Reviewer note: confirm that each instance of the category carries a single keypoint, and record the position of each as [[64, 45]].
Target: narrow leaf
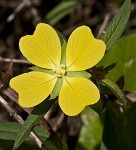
[[78, 74], [36, 68], [27, 145], [34, 118], [26, 129], [63, 52], [56, 89], [115, 89], [117, 25], [61, 37], [61, 10], [9, 130]]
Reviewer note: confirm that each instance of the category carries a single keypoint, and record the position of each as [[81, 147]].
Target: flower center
[[60, 70]]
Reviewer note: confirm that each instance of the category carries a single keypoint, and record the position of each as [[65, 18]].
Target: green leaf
[[27, 145], [111, 142], [42, 133], [36, 68], [91, 131], [63, 52], [117, 25], [52, 143], [61, 10], [56, 89], [99, 106], [62, 38], [115, 89], [124, 54], [8, 130], [34, 118], [103, 147], [119, 127], [78, 74], [8, 133], [26, 129]]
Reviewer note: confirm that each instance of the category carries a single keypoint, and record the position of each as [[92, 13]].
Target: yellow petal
[[83, 50], [33, 87], [76, 93], [43, 48]]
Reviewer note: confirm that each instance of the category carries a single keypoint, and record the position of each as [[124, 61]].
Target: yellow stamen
[[60, 70]]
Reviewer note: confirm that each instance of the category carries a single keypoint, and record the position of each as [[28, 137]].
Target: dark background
[[19, 17]]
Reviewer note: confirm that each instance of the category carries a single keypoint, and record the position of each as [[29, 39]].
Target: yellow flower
[[43, 49]]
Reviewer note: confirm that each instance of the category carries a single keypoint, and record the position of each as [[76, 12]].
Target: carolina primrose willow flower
[[43, 49]]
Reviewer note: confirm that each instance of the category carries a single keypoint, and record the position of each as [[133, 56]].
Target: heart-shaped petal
[[43, 48], [76, 93], [83, 50], [33, 87]]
